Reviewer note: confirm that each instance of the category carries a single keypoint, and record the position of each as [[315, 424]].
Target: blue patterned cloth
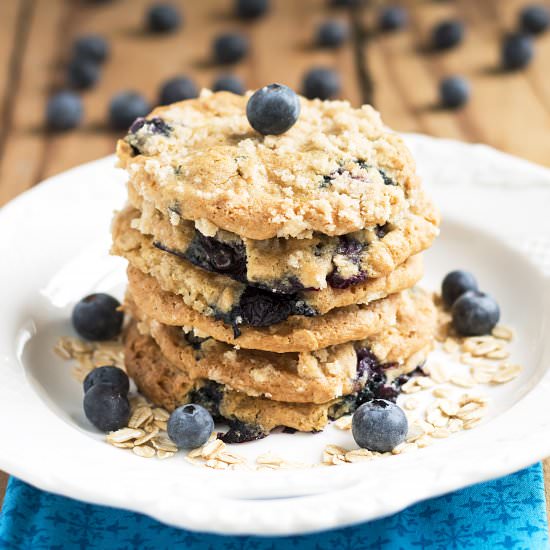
[[508, 513]]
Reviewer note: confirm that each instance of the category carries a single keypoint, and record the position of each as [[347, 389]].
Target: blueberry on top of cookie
[[273, 109]]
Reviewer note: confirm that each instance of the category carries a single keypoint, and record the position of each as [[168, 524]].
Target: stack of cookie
[[271, 278]]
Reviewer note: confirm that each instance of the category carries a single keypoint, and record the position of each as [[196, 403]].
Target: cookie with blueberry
[[238, 304], [290, 265], [296, 334], [273, 246], [271, 164], [329, 383]]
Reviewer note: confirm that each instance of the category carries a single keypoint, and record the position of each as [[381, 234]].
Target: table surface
[[396, 72]]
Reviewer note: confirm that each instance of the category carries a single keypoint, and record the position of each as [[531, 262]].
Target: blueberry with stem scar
[[379, 425], [273, 109], [190, 426]]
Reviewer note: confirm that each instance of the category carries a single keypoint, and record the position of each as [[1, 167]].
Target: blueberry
[[177, 89], [251, 9], [155, 125], [372, 379], [228, 83], [273, 109], [92, 47], [322, 83], [368, 366], [517, 51], [351, 249], [335, 280], [387, 179], [230, 48], [475, 313], [332, 34], [260, 308], [97, 317], [455, 284], [534, 19], [82, 73], [112, 376], [163, 18], [379, 425], [216, 256], [106, 408], [241, 432], [190, 426], [209, 396], [125, 107], [64, 111], [447, 34], [454, 91], [392, 18]]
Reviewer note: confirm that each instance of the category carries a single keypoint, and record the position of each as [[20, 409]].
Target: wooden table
[[395, 71]]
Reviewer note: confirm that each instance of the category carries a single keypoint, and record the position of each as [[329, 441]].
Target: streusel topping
[[337, 170]]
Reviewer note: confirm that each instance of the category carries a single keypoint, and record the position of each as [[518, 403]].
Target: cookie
[[296, 334], [235, 303], [316, 376], [336, 171], [291, 265], [248, 417]]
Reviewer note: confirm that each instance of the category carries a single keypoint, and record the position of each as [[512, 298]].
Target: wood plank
[[510, 111], [511, 115], [405, 78], [3, 484], [12, 22], [25, 145], [284, 49], [281, 51]]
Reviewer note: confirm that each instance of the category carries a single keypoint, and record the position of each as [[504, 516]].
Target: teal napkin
[[508, 513]]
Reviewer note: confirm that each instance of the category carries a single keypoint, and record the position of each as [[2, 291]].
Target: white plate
[[54, 243]]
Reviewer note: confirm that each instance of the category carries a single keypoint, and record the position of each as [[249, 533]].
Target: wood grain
[[508, 111], [3, 484], [281, 50]]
